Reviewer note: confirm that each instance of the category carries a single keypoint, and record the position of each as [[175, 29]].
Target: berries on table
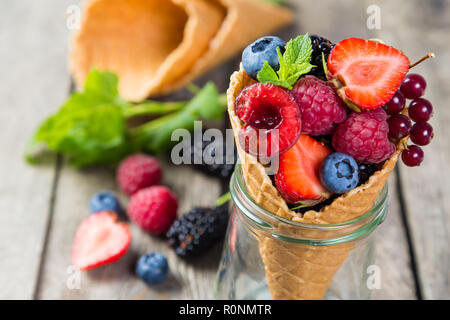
[[396, 104], [319, 45], [138, 171], [420, 109], [263, 49], [421, 133], [104, 201], [412, 156], [153, 268], [198, 230], [413, 86], [271, 120], [221, 166], [321, 109], [153, 209], [99, 240], [399, 126], [298, 176], [339, 173], [366, 73], [364, 136]]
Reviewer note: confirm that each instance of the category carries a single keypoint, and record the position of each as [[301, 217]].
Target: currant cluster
[[420, 111]]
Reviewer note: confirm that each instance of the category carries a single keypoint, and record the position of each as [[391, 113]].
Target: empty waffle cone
[[296, 271], [156, 46]]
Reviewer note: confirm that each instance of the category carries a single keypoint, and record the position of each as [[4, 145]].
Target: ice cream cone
[[298, 271], [156, 46]]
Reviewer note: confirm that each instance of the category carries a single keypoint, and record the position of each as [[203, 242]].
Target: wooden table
[[42, 206]]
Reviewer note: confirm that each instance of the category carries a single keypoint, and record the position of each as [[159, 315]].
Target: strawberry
[[298, 176], [100, 239], [366, 73]]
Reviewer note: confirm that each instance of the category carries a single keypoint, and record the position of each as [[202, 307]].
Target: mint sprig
[[293, 63], [91, 127]]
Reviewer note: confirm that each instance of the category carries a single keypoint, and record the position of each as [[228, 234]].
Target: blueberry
[[104, 201], [152, 268], [339, 173], [263, 49]]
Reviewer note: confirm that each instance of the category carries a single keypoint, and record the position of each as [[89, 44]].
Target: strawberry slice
[[366, 73], [298, 178], [100, 239]]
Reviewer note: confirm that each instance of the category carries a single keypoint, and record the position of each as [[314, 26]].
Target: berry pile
[[420, 111], [198, 230], [330, 132]]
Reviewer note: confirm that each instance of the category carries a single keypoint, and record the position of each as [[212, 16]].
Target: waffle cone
[[156, 46], [297, 271]]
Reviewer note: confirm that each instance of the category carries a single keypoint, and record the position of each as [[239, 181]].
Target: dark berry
[[152, 268], [366, 170], [104, 201], [319, 45], [399, 126], [420, 109], [198, 230], [396, 104], [413, 156], [204, 157], [413, 86], [421, 133]]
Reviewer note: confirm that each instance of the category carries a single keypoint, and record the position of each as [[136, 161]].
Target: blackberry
[[198, 230], [220, 166], [319, 45], [366, 170]]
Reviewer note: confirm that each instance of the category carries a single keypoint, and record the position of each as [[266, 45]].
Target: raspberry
[[153, 209], [138, 171], [320, 106], [364, 136]]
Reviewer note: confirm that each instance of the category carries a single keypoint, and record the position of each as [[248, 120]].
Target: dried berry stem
[[429, 55]]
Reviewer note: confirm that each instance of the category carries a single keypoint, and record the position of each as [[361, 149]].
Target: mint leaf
[[293, 63]]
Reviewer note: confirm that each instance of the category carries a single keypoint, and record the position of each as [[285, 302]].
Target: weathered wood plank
[[418, 27], [34, 82]]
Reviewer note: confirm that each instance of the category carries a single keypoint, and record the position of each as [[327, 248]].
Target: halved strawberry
[[298, 178], [100, 239], [366, 73]]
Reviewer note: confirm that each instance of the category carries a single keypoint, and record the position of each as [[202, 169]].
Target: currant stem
[[429, 55]]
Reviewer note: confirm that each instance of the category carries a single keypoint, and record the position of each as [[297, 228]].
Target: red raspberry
[[153, 209], [320, 106], [364, 136], [138, 171]]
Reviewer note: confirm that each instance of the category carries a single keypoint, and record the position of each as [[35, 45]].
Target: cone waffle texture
[[297, 271], [156, 46]]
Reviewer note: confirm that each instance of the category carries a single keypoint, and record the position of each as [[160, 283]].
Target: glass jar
[[242, 271]]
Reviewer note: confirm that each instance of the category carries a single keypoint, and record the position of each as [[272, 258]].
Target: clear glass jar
[[242, 271]]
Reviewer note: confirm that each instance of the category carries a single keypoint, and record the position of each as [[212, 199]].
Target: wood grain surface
[[41, 206]]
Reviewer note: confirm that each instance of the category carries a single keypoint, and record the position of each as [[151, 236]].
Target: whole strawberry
[[153, 209], [138, 171], [364, 136], [321, 108]]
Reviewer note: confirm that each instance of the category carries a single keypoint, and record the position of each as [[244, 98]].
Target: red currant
[[396, 104], [399, 126], [413, 156], [420, 109], [413, 86], [421, 133]]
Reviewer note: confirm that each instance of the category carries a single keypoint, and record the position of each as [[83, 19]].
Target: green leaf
[[293, 63]]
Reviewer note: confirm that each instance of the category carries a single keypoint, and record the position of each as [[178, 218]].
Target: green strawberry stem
[[223, 199]]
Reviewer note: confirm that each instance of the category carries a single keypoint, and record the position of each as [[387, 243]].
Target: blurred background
[[42, 206]]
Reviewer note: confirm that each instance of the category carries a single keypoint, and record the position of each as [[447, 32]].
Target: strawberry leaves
[[294, 62]]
